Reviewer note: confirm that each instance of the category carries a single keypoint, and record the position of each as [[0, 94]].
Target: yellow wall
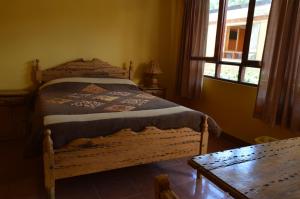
[[60, 30], [232, 105]]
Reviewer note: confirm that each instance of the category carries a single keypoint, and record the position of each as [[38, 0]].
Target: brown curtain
[[193, 43], [278, 98]]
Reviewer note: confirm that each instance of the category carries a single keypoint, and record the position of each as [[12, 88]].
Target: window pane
[[235, 28], [209, 69], [259, 29], [212, 28], [251, 75], [229, 72]]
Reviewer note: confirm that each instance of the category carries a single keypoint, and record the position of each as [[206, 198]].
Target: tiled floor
[[22, 179]]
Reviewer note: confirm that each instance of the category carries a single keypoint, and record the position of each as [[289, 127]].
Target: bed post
[[130, 70], [162, 188], [48, 155], [204, 135], [204, 138], [37, 72]]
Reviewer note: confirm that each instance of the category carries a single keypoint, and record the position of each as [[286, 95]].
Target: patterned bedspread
[[88, 107]]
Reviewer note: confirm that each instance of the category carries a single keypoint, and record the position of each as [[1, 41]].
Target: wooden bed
[[121, 149]]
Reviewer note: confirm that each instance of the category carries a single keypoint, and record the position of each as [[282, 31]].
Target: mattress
[[89, 107]]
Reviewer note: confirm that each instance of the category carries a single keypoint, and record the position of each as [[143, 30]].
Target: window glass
[[212, 28], [231, 42], [251, 75], [229, 72], [259, 29], [235, 28], [209, 69]]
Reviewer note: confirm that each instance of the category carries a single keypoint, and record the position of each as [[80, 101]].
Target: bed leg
[[162, 188], [48, 155], [204, 135], [204, 139]]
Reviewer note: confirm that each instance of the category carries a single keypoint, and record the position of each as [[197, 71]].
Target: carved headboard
[[80, 68]]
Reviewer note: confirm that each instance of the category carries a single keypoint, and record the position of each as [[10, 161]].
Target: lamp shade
[[154, 69]]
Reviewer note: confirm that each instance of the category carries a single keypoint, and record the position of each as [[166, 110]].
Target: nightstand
[[157, 91], [14, 113]]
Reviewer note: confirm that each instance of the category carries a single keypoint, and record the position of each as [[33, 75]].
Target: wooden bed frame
[[121, 149]]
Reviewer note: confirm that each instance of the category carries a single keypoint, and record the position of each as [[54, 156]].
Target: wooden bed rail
[[162, 188]]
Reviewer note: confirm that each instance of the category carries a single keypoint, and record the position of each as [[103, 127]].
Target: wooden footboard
[[122, 149]]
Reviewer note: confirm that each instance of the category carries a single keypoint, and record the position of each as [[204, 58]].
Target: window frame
[[220, 36]]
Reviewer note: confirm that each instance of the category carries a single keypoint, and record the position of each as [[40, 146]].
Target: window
[[235, 41]]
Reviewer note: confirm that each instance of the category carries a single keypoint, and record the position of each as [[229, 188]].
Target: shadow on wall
[[137, 71], [30, 73], [140, 72], [170, 32]]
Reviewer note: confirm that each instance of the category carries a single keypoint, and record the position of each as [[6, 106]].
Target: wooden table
[[264, 171]]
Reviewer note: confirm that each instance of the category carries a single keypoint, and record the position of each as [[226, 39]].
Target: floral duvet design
[[100, 98]]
